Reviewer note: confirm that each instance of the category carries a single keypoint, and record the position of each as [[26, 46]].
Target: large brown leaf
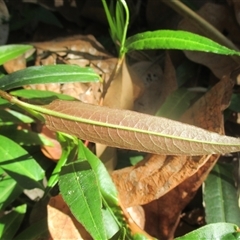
[[158, 174], [132, 130]]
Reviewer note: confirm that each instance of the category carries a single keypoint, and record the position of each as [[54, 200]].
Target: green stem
[[109, 18], [122, 46]]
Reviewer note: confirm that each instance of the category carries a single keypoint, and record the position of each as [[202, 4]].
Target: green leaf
[[170, 39], [9, 52], [108, 192], [40, 94], [220, 231], [176, 104], [220, 196], [8, 117], [25, 137], [38, 230], [10, 190], [107, 187], [69, 146], [18, 164], [80, 190], [48, 74], [10, 223]]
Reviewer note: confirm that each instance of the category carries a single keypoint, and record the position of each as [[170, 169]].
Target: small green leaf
[[220, 196], [8, 117], [10, 223], [220, 231], [170, 39], [176, 104], [69, 146], [80, 190], [9, 52], [48, 74], [40, 94], [10, 190], [17, 163], [25, 137], [38, 230]]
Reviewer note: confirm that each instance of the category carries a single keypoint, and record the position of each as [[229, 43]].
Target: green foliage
[[221, 231], [10, 223], [10, 52], [84, 181], [220, 196], [48, 74], [180, 40]]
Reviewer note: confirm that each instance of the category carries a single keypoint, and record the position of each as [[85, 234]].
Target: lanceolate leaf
[[220, 196], [221, 231], [132, 130], [9, 52], [79, 188], [181, 40], [48, 74]]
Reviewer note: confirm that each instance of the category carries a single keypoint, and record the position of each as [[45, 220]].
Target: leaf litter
[[164, 180]]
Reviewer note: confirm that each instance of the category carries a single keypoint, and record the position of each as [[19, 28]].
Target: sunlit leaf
[[17, 162], [132, 130], [48, 74], [10, 223], [34, 94], [180, 40], [221, 231], [9, 52], [10, 189], [79, 188]]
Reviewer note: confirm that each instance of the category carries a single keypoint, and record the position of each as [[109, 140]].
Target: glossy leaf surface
[[79, 188], [48, 74], [17, 162], [10, 223], [9, 52], [10, 190], [221, 231], [180, 40]]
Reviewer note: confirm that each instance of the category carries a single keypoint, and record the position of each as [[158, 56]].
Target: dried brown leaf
[[132, 130], [120, 92], [158, 174], [61, 222]]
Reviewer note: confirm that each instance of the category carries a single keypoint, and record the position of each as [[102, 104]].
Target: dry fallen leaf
[[132, 130], [80, 50], [120, 92], [157, 174], [200, 113], [61, 222], [53, 152]]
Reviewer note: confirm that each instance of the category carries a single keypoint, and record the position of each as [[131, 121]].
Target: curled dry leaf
[[120, 92], [158, 174], [132, 130], [78, 50]]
